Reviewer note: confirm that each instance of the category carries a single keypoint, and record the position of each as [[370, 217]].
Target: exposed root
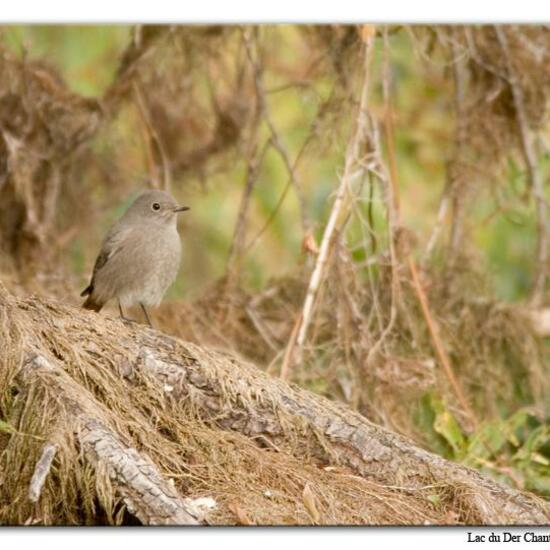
[[143, 408]]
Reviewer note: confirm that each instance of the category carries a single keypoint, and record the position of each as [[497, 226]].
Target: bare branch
[[390, 182], [438, 345], [394, 230], [535, 177], [155, 144], [278, 144], [237, 250], [456, 182], [338, 211]]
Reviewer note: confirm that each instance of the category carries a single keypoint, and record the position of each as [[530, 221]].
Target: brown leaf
[[310, 503], [368, 32], [309, 245], [242, 517]]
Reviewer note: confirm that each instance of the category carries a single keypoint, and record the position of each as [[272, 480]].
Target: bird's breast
[[156, 262]]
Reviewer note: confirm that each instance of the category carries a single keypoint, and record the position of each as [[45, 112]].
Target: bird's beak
[[181, 208]]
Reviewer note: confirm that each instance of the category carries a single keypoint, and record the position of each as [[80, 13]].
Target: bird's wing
[[111, 245]]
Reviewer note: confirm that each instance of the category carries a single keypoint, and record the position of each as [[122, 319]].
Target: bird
[[139, 257]]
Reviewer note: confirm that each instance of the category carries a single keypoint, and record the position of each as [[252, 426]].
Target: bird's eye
[[156, 206]]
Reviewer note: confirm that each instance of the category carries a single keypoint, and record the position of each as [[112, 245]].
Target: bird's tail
[[90, 303]]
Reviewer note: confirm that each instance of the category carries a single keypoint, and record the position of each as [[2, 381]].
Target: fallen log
[[145, 424]]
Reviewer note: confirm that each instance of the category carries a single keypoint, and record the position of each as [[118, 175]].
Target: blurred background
[[251, 127]]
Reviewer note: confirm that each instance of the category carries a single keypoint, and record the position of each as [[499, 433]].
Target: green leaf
[[538, 483], [425, 418], [487, 440], [446, 425], [539, 459], [5, 427], [537, 439]]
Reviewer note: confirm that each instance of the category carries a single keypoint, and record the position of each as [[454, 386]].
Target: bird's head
[[156, 207]]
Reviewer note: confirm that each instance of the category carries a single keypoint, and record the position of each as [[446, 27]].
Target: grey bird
[[139, 257]]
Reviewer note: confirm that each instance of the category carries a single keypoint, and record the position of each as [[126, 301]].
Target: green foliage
[[514, 449], [86, 54], [5, 427]]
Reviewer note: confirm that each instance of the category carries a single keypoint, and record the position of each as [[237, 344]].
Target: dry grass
[[251, 482], [479, 333]]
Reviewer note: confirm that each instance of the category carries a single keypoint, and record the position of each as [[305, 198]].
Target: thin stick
[[434, 333], [283, 195], [455, 169], [250, 41], [254, 158], [391, 196], [438, 226], [535, 177], [393, 222], [389, 128], [237, 249], [154, 139], [299, 332], [451, 193], [287, 358]]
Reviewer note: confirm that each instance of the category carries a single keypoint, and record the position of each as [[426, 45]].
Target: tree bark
[[146, 493], [370, 450]]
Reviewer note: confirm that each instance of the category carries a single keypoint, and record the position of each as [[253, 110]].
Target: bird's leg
[[122, 314], [146, 314]]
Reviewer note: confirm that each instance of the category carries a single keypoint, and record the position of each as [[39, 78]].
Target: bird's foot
[[129, 321]]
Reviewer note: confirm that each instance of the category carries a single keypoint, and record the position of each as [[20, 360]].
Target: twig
[[275, 211], [469, 33], [155, 140], [455, 168], [438, 226], [255, 159], [288, 356], [438, 345], [450, 195], [276, 140], [535, 177], [393, 222], [41, 471], [299, 332], [389, 130], [391, 192], [262, 330]]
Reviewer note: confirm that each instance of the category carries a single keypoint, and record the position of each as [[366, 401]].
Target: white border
[[274, 11], [267, 11], [350, 538]]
